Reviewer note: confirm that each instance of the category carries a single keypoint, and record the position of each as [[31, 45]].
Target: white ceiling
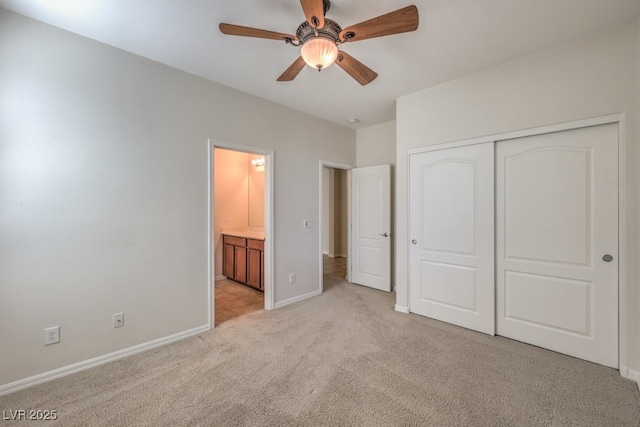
[[455, 38]]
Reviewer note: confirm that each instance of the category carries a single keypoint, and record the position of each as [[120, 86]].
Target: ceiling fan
[[319, 38]]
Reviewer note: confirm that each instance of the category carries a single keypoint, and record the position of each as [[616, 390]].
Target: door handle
[[414, 241], [384, 234], [607, 258]]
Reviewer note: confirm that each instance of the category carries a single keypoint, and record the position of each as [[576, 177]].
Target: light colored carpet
[[342, 358]]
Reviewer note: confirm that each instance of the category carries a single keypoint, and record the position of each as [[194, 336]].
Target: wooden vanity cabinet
[[255, 251], [240, 261], [243, 261]]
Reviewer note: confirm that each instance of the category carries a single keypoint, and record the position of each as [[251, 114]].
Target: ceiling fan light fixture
[[319, 52]]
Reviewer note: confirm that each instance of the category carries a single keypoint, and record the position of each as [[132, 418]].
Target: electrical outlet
[[52, 335], [118, 320], [292, 278]]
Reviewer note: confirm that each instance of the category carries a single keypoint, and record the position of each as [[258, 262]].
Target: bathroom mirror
[[256, 191]]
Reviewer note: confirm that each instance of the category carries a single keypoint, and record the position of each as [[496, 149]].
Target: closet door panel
[[451, 235], [557, 216]]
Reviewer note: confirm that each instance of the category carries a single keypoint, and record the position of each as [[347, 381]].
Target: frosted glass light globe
[[319, 52]]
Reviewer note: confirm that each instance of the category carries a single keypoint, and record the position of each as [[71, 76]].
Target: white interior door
[[371, 226], [557, 216], [451, 236]]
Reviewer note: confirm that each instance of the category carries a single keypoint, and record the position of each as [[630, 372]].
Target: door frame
[[269, 268], [618, 118], [321, 165]]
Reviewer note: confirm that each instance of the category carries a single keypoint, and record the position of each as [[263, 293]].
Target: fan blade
[[399, 21], [356, 69], [313, 9], [238, 30], [293, 70]]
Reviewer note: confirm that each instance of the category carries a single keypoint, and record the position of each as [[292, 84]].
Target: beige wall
[[327, 209], [256, 193], [335, 222], [340, 218], [104, 195], [589, 78], [376, 145]]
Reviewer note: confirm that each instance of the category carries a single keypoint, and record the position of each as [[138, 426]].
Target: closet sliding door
[[557, 241], [451, 236]]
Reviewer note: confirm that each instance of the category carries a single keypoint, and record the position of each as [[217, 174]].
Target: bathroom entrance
[[240, 239]]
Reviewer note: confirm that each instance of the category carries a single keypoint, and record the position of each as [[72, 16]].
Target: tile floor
[[234, 299]]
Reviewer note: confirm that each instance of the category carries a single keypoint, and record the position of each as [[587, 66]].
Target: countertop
[[247, 234]]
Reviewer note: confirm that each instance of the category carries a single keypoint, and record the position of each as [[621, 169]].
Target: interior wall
[[327, 209], [340, 218], [104, 194], [593, 77], [256, 193], [376, 145], [231, 196]]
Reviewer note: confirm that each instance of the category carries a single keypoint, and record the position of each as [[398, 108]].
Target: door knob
[[384, 234], [607, 258], [414, 241]]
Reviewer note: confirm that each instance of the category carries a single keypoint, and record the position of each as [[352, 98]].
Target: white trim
[[269, 221], [211, 307], [350, 221], [221, 278], [593, 121], [322, 164], [100, 360], [298, 298], [630, 375], [269, 293], [402, 309], [622, 244]]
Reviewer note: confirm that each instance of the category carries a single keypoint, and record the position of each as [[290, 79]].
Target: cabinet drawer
[[255, 244], [235, 241]]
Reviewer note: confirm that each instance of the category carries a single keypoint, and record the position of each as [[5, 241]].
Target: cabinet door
[[241, 265], [254, 268], [227, 261]]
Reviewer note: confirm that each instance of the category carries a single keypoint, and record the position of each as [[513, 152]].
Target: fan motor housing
[[331, 30]]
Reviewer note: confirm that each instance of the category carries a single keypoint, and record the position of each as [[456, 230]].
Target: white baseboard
[[402, 309], [629, 374], [297, 299], [97, 361], [220, 278]]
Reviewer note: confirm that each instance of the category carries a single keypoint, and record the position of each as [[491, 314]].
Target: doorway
[[335, 224], [240, 234]]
